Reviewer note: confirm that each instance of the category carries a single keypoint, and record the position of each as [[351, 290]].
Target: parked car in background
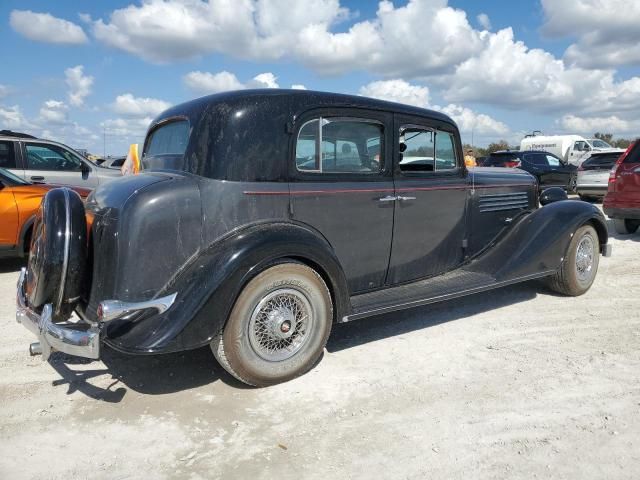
[[112, 162], [573, 149], [549, 170], [622, 202], [19, 201], [263, 217], [593, 175], [46, 161]]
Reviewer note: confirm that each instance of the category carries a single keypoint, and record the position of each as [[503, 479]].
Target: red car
[[622, 202]]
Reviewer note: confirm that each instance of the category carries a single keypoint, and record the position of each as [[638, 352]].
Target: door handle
[[37, 178], [406, 199], [388, 198]]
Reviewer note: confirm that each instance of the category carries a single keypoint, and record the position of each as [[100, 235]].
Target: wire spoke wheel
[[280, 324], [584, 258]]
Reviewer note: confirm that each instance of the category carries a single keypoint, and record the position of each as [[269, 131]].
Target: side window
[[553, 161], [169, 139], [51, 157], [426, 150], [445, 151], [581, 146], [7, 155], [537, 159], [339, 145], [417, 150]]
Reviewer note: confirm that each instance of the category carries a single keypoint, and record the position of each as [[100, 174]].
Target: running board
[[457, 283]]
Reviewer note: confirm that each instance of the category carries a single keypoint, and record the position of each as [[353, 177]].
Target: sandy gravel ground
[[516, 383]]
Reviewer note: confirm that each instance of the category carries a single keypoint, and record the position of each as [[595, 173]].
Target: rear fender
[[539, 241], [209, 285]]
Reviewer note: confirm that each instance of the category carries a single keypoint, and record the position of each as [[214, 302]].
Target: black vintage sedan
[[264, 217]]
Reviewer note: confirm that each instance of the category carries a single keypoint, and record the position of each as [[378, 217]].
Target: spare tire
[[57, 266]]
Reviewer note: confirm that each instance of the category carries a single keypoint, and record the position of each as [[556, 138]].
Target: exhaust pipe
[[35, 349]]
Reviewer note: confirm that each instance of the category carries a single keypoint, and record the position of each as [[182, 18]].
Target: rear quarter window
[[165, 146], [634, 154]]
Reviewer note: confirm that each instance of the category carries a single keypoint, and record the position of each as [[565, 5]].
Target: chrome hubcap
[[584, 258], [280, 324]]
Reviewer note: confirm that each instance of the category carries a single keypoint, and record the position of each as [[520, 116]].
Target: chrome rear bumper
[[79, 339]]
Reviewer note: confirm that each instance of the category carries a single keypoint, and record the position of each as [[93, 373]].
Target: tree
[[621, 143], [494, 147], [605, 137]]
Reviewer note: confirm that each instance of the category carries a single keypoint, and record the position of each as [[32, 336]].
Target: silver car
[[593, 175], [45, 161]]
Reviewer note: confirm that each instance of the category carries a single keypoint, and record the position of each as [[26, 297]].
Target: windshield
[[6, 174], [597, 143]]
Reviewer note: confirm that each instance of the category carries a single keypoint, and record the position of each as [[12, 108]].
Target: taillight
[[512, 164]]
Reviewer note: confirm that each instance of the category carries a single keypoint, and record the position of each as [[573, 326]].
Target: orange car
[[19, 201]]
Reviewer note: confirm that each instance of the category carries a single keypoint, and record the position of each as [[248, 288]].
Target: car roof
[[519, 152], [280, 99]]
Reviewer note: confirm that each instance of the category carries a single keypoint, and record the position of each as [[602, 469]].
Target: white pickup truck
[[573, 148]]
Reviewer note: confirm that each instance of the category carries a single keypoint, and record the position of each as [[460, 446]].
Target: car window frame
[[16, 154], [25, 162], [298, 121], [410, 121]]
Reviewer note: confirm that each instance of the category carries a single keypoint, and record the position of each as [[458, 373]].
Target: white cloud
[[390, 44], [127, 127], [203, 83], [403, 92], [607, 30], [298, 86], [478, 123], [53, 112], [484, 21], [4, 91], [44, 27], [11, 118], [397, 91], [263, 80], [589, 125], [79, 85], [130, 106]]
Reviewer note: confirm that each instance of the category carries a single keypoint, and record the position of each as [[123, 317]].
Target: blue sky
[[500, 69]]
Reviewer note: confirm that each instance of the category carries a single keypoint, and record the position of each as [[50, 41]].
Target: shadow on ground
[[170, 373], [634, 237], [367, 330], [148, 374], [8, 265]]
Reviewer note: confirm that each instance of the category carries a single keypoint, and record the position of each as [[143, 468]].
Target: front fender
[[208, 286], [539, 241]]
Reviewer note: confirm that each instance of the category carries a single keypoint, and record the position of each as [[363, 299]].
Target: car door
[[431, 186], [9, 157], [579, 152], [341, 186], [536, 164], [53, 164], [8, 215], [560, 172]]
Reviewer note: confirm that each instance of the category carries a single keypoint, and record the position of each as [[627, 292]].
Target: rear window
[[498, 160], [601, 160], [169, 139]]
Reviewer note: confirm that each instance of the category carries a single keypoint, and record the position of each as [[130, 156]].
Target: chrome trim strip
[[112, 309], [65, 258]]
